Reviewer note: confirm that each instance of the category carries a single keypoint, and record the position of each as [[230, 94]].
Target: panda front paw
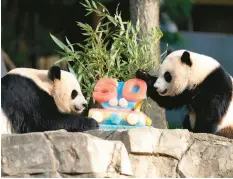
[[90, 124], [141, 74]]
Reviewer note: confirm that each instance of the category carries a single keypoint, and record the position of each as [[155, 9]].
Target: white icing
[[142, 119], [123, 102], [132, 119], [113, 102], [98, 116]]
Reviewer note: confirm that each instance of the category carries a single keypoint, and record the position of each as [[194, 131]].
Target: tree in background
[[148, 13], [164, 14]]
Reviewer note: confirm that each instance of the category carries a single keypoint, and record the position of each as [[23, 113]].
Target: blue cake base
[[114, 127]]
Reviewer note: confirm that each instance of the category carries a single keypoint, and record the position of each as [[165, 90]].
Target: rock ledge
[[146, 152]]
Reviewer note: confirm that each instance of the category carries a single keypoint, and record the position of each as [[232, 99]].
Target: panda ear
[[170, 50], [54, 73], [185, 58]]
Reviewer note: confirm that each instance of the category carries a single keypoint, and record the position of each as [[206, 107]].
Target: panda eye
[[74, 94], [167, 77]]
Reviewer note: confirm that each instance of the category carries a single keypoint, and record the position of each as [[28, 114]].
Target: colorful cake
[[120, 104]]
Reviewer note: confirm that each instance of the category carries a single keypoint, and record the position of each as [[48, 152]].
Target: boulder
[[63, 154], [174, 152], [144, 152]]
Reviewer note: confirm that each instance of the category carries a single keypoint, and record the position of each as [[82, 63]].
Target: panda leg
[[87, 123], [15, 121], [187, 123], [69, 122], [207, 119], [205, 124]]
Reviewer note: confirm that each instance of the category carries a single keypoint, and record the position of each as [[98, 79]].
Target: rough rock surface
[[146, 152], [156, 113], [63, 154]]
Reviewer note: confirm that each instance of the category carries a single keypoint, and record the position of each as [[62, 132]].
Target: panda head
[[66, 91], [182, 70]]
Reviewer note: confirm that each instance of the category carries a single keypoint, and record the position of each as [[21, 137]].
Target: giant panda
[[200, 84], [41, 100]]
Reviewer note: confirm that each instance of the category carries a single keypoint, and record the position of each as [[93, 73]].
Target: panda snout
[[155, 86]]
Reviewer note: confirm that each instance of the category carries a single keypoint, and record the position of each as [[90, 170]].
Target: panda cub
[[199, 83], [41, 100]]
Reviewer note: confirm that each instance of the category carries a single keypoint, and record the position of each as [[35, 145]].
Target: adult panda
[[199, 83], [41, 100]]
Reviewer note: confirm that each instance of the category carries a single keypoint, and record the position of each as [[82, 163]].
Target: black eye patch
[[74, 94], [167, 77]]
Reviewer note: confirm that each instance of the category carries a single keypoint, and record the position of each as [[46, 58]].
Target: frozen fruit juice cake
[[120, 104]]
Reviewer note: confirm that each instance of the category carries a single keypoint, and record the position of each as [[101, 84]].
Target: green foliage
[[113, 49], [178, 9]]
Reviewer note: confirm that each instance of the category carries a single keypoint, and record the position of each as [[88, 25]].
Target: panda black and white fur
[[199, 83], [41, 100]]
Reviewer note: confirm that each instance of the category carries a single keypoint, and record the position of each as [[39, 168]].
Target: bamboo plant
[[113, 49]]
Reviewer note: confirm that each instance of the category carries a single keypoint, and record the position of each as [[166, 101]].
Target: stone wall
[[146, 152]]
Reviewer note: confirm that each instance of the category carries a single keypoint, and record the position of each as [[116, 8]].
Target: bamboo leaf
[[58, 42], [80, 77], [111, 19], [84, 5], [90, 12], [88, 3], [94, 5], [71, 47], [104, 8], [71, 69], [80, 24], [63, 59]]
